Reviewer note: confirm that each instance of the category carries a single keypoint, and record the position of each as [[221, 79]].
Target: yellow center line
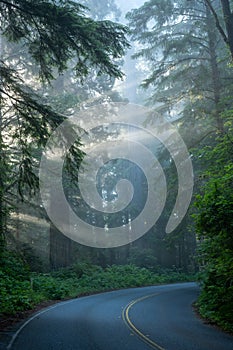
[[129, 323]]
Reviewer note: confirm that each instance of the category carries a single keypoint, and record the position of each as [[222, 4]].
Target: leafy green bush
[[126, 276], [49, 287], [13, 265], [15, 295], [214, 226], [15, 287], [75, 271]]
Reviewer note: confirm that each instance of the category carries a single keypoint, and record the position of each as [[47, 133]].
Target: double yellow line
[[129, 323]]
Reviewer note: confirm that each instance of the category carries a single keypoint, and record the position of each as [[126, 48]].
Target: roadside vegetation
[[214, 224], [21, 289]]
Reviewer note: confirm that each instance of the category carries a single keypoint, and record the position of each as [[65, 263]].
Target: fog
[[126, 6]]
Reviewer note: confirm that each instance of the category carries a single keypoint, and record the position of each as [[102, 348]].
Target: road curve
[[159, 317]]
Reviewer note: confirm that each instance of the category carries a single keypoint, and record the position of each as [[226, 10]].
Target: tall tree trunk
[[60, 249], [60, 245], [228, 19], [2, 211], [212, 39], [227, 35]]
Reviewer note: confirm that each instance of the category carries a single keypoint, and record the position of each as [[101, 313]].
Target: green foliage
[[188, 71], [51, 288], [21, 290], [68, 282], [215, 304], [116, 277], [14, 266], [55, 32], [75, 271], [214, 225], [15, 289], [15, 295]]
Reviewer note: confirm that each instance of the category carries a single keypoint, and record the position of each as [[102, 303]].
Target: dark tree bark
[[60, 249], [228, 19], [60, 245], [2, 169]]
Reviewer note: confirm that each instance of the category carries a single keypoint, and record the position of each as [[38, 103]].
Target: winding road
[[158, 317]]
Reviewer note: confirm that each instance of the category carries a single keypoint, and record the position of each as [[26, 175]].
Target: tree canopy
[[56, 31], [188, 61], [53, 34]]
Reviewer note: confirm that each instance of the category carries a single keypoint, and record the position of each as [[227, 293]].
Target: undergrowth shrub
[[16, 293]]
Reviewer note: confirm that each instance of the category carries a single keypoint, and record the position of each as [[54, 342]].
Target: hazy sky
[[129, 85], [127, 5]]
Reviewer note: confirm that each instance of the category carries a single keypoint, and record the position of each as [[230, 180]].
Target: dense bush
[[16, 293], [214, 226]]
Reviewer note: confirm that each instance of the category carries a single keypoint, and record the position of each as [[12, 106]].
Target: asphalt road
[[159, 317]]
